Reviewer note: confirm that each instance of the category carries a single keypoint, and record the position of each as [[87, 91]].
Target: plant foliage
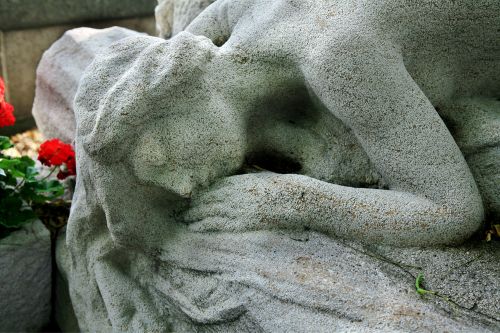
[[21, 187]]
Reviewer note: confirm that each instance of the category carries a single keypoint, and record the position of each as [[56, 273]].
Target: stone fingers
[[202, 211], [214, 223]]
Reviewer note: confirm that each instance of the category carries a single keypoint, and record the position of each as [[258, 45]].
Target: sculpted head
[[170, 129]]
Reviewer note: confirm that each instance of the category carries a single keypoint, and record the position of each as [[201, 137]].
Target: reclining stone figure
[[337, 101], [274, 94]]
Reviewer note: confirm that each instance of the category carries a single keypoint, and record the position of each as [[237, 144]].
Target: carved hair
[[121, 91]]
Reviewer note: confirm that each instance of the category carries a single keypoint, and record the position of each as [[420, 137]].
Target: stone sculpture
[[175, 227], [172, 16]]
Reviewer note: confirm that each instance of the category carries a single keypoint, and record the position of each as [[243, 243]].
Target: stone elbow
[[466, 218]]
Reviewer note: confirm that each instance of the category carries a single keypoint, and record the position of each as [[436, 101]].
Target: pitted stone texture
[[469, 275], [298, 282], [169, 229], [25, 275], [64, 313], [172, 16], [59, 72]]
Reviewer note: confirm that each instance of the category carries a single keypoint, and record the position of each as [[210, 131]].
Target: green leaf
[[8, 181], [10, 202], [51, 186], [30, 174], [22, 167], [5, 143], [25, 162], [419, 287], [13, 211], [42, 191], [16, 173], [29, 194], [10, 165], [16, 219]]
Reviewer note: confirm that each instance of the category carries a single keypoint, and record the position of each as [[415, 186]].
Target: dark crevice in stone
[[220, 40], [273, 161], [52, 326]]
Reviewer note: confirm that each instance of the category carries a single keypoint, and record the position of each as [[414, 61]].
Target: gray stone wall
[[29, 27], [22, 14]]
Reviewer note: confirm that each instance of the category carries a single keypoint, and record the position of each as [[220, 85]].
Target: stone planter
[[25, 279]]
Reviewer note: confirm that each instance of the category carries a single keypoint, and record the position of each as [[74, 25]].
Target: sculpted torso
[[335, 107]]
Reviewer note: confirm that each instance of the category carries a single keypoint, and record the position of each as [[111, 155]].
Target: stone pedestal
[[25, 279]]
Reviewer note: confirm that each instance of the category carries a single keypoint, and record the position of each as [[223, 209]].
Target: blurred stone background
[[29, 27]]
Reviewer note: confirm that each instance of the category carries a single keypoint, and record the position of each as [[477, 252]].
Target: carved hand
[[244, 202]]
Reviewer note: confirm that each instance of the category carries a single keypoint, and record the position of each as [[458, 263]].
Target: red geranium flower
[[69, 170], [6, 110], [6, 114], [2, 89], [54, 152], [57, 153]]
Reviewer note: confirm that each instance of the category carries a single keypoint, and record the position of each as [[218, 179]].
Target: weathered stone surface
[[482, 151], [59, 73], [22, 14], [21, 52], [469, 276], [64, 314], [25, 275], [300, 282], [173, 16], [175, 227]]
